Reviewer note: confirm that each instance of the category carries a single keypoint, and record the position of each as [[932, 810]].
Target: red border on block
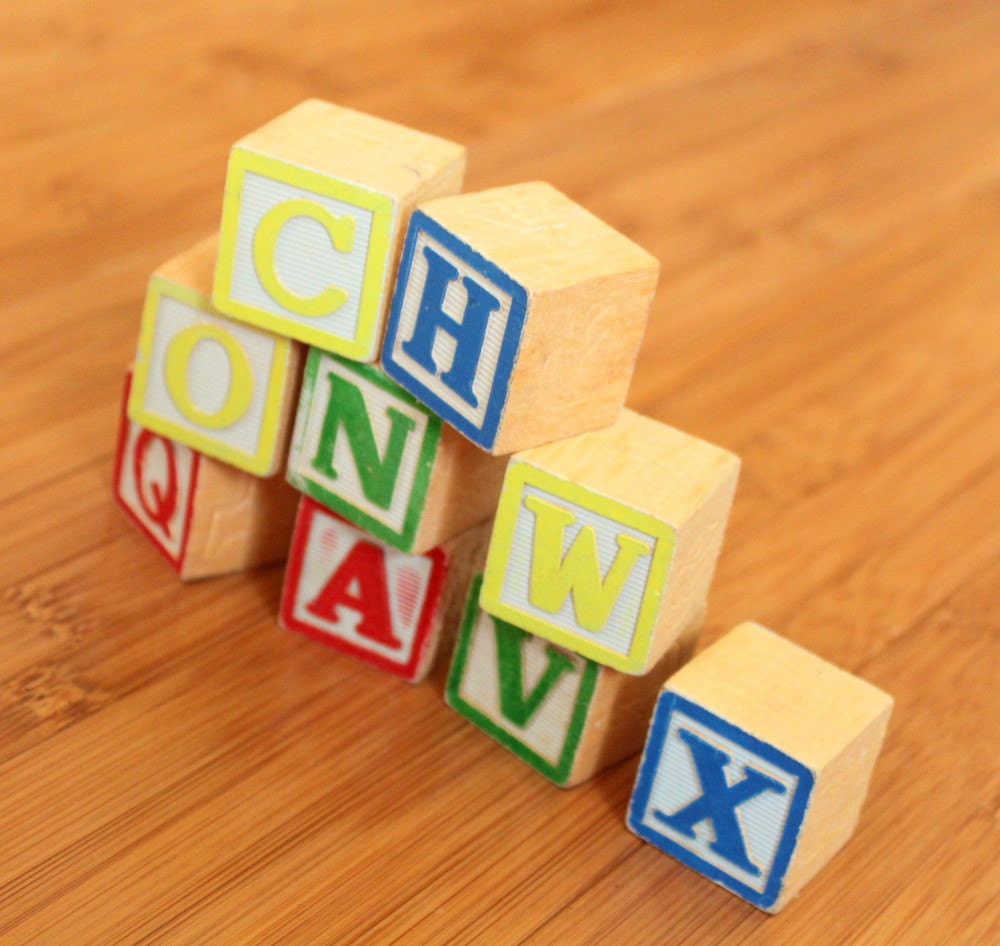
[[177, 564], [308, 510]]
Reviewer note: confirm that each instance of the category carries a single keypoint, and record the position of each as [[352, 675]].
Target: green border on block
[[402, 540], [363, 346], [519, 474], [558, 773]]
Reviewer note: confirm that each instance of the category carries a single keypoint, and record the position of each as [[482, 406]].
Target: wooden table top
[[821, 181]]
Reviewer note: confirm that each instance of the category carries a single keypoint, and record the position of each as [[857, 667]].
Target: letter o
[[177, 360]]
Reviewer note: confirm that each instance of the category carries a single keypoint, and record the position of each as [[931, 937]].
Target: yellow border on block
[[265, 459], [519, 474], [364, 345]]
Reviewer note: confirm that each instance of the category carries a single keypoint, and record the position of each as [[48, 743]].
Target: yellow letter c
[[265, 243]]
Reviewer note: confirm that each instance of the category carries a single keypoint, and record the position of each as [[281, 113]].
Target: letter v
[[515, 704], [377, 474]]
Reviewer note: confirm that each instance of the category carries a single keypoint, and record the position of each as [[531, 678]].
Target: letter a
[[377, 474], [360, 584], [553, 576], [515, 704]]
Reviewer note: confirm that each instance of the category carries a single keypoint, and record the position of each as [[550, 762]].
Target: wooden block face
[[207, 518], [211, 383], [757, 763], [358, 595], [155, 483], [577, 568], [314, 206], [719, 800], [517, 315], [363, 447], [454, 330], [527, 694]]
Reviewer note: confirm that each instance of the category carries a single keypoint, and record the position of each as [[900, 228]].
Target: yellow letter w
[[553, 577]]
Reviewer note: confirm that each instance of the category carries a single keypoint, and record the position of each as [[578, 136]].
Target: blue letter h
[[469, 334]]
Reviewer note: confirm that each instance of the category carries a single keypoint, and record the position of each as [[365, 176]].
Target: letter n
[[377, 473]]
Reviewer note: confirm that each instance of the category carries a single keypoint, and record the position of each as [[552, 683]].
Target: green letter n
[[377, 474]]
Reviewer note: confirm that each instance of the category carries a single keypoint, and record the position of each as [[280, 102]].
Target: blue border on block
[[655, 744], [486, 435]]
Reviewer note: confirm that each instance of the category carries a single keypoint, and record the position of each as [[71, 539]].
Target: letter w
[[553, 576], [377, 474]]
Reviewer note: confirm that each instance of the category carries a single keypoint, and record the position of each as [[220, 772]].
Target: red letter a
[[365, 566]]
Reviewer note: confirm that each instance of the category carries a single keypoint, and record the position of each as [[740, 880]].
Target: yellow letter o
[[177, 360]]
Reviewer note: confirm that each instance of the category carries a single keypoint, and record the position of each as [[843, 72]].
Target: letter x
[[718, 802]]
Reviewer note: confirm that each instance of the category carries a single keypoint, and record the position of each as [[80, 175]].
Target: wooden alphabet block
[[394, 611], [368, 450], [757, 763], [223, 388], [205, 517], [315, 208], [606, 543], [517, 315], [566, 716]]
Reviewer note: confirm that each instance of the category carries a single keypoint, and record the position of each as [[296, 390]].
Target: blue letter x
[[718, 802]]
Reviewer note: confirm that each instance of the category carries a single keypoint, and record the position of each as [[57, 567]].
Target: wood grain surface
[[820, 180]]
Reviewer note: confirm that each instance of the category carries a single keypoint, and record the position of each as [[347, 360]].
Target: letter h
[[469, 333]]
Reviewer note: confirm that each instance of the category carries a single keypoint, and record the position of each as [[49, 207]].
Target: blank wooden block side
[[239, 521]]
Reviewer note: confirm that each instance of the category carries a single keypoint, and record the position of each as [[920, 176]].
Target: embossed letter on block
[[517, 315], [370, 451], [205, 517], [566, 716], [352, 592], [757, 763], [225, 389], [316, 204], [606, 543]]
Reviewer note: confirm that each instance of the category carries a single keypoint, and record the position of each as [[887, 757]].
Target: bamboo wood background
[[821, 181]]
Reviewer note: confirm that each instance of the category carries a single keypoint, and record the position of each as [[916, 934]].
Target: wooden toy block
[[517, 315], [394, 611], [223, 388], [205, 517], [757, 763], [315, 208], [566, 716], [606, 542], [368, 450]]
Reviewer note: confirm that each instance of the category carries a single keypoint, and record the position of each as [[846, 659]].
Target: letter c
[[265, 244]]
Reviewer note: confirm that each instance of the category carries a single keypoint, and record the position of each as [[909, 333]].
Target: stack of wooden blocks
[[481, 490]]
